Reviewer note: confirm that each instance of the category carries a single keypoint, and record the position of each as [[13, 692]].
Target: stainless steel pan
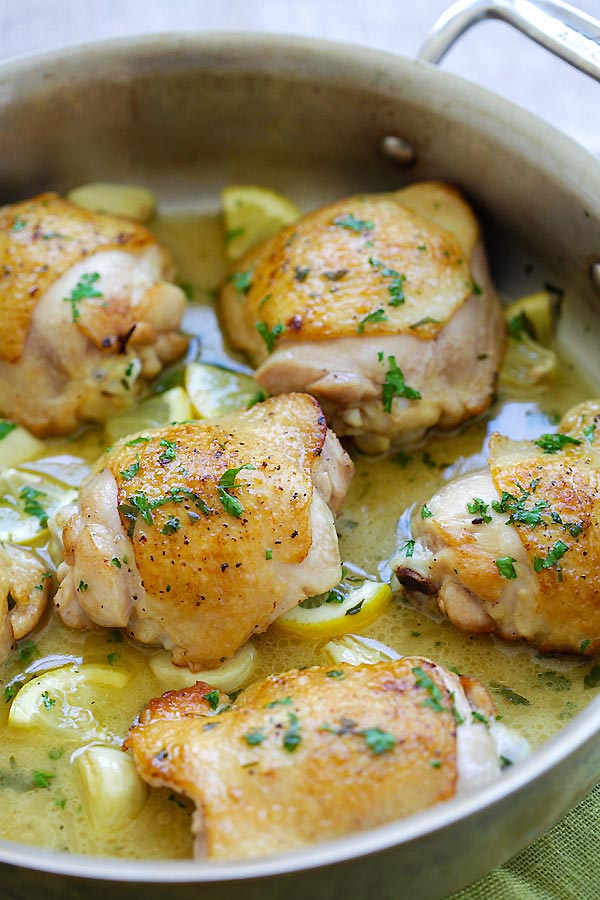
[[189, 113]]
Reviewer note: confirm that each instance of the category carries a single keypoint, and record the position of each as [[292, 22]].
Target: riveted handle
[[562, 29]]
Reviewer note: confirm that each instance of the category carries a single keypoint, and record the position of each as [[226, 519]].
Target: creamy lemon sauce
[[534, 694]]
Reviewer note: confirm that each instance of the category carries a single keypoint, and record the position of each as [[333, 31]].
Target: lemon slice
[[155, 412], [59, 701], [251, 215], [231, 676], [16, 444], [27, 501], [361, 606], [534, 313], [214, 392], [127, 200]]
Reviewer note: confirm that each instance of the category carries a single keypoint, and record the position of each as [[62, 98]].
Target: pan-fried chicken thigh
[[515, 549], [316, 754], [25, 586], [87, 313], [381, 307], [199, 535]]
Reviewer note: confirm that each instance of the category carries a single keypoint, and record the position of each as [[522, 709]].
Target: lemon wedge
[[252, 214], [214, 392], [27, 501], [361, 606], [155, 412], [16, 444], [59, 701], [231, 676], [127, 200]]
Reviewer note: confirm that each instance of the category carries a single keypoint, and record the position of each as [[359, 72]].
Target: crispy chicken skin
[[524, 560], [87, 313], [326, 303], [25, 587], [311, 755], [177, 558]]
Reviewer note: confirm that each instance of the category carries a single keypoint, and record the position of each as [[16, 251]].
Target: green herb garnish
[[6, 427], [506, 566], [226, 484], [30, 499], [378, 315], [241, 281], [269, 336], [395, 386], [132, 470], [83, 290], [212, 698], [353, 224], [477, 507], [552, 443]]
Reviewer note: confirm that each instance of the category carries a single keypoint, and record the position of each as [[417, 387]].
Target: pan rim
[[580, 170]]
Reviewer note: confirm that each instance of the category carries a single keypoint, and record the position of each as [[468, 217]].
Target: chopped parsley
[[268, 553], [82, 587], [592, 679], [353, 224], [269, 336], [241, 281], [30, 499], [172, 525], [42, 779], [408, 547], [169, 452], [281, 701], [554, 555], [83, 289], [335, 673], [139, 505], [509, 695], [378, 741], [27, 651], [479, 717], [212, 698], [56, 753], [301, 273], [113, 658], [11, 690], [584, 645], [588, 432], [378, 315], [6, 427], [552, 443], [19, 224], [396, 286], [132, 470], [232, 233], [254, 737], [516, 325], [292, 737], [395, 386], [478, 507], [226, 484], [506, 566], [116, 562], [476, 288], [47, 700], [426, 512], [137, 440], [426, 320], [423, 680], [517, 508]]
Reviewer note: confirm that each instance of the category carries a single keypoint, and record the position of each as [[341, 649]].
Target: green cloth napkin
[[564, 864]]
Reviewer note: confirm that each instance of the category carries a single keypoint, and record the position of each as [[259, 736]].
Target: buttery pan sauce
[[40, 795]]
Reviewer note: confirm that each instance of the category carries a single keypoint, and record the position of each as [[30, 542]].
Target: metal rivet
[[595, 274], [398, 150]]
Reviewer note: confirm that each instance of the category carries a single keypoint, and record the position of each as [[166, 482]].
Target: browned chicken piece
[[380, 306], [25, 587], [87, 313], [311, 755], [199, 535], [515, 549]]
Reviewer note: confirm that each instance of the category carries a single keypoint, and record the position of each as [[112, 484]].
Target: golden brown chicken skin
[[311, 755], [87, 313], [515, 549], [381, 306], [199, 535]]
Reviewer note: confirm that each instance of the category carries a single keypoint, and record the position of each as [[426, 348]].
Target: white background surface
[[491, 54]]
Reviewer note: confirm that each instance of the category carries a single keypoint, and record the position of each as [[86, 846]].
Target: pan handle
[[562, 29]]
